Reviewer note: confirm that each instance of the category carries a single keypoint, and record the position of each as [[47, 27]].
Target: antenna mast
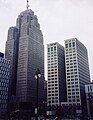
[[27, 4]]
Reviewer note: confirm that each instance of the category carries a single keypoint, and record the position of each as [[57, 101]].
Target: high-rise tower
[[56, 85], [11, 53], [77, 71], [25, 50], [4, 83], [30, 57]]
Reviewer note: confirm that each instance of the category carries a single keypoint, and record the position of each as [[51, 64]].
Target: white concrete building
[[56, 86], [77, 71]]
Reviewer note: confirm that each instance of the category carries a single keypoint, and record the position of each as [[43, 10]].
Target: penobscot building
[[25, 50], [56, 85], [77, 72]]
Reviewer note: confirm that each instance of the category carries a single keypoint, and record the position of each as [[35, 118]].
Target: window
[[73, 44], [66, 45], [78, 100], [69, 44], [48, 49], [51, 48], [27, 18], [54, 48]]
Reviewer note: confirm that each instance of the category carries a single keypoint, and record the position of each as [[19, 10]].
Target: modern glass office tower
[[77, 71], [56, 85], [4, 82], [25, 50]]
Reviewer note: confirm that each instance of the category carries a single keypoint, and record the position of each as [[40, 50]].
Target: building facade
[[4, 83], [77, 71], [30, 57], [11, 53], [89, 99], [25, 50], [56, 85]]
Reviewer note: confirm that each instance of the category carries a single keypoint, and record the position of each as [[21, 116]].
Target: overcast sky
[[59, 20]]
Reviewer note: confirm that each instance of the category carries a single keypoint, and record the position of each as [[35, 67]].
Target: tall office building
[[77, 71], [4, 82], [30, 57], [56, 85], [25, 50], [11, 53]]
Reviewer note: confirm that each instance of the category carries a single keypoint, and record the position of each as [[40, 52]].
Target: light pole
[[37, 76]]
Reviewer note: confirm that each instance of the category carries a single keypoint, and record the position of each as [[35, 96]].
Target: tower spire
[[27, 4]]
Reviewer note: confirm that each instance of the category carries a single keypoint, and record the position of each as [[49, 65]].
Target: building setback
[[25, 50], [4, 82], [77, 71], [56, 85]]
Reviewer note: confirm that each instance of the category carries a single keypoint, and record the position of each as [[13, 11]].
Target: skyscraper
[[30, 57], [4, 82], [77, 71], [56, 85], [11, 53], [25, 50]]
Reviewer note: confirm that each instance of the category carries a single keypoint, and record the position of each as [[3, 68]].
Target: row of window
[[71, 76], [52, 49], [56, 91], [52, 95], [4, 72], [50, 73], [49, 67], [4, 80], [73, 93], [3, 106], [68, 55], [74, 100], [52, 58], [3, 84], [3, 92], [71, 83], [51, 81], [72, 89], [4, 76], [53, 75], [53, 101], [52, 88], [53, 98], [3, 98], [52, 64], [52, 54], [72, 86], [74, 96], [50, 85], [4, 61], [70, 45], [70, 51]]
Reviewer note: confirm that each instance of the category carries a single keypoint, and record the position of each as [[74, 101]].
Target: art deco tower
[[28, 50]]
